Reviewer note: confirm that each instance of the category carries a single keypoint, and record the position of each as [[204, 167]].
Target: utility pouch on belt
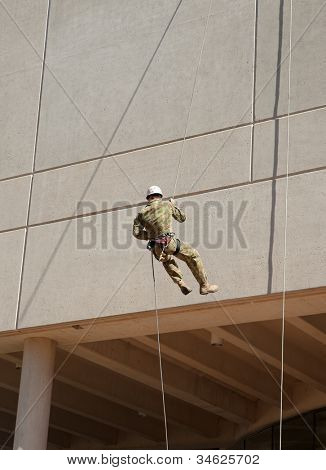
[[150, 245], [178, 246]]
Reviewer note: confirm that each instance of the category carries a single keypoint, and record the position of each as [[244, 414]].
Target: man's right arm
[[138, 230], [177, 213]]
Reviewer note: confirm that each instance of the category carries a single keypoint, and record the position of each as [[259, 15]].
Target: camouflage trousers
[[187, 254]]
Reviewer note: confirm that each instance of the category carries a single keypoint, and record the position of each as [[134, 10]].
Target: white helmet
[[154, 190]]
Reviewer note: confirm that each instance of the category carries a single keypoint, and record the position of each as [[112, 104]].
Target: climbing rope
[[175, 185], [160, 356], [285, 228], [286, 224], [192, 96]]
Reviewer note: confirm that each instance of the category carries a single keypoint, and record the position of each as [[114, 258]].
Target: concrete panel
[[101, 69], [273, 19], [223, 95], [22, 29], [57, 192], [64, 283], [86, 25], [308, 86], [22, 34], [102, 83], [11, 251], [214, 161], [307, 144], [14, 196], [64, 135], [306, 253], [19, 97]]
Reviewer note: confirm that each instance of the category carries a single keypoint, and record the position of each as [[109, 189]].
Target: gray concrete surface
[[308, 56], [22, 31], [307, 144], [98, 51], [14, 202], [121, 180], [19, 95], [69, 283], [306, 256], [21, 51], [11, 250], [115, 63]]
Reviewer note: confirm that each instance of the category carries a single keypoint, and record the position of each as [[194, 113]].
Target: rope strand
[[286, 225], [175, 186], [160, 356], [192, 96], [285, 228]]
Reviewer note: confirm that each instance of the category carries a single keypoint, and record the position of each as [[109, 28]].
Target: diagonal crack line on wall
[[165, 143], [268, 370], [82, 336], [51, 72], [260, 92], [180, 196], [33, 164], [43, 274], [71, 100]]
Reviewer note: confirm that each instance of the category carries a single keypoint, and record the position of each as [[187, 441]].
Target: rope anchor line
[[175, 186], [286, 223], [285, 230]]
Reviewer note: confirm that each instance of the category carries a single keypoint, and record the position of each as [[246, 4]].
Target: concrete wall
[[107, 118]]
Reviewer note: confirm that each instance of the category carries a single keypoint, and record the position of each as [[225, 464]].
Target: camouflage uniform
[[154, 220]]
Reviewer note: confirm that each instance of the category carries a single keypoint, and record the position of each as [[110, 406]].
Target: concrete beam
[[308, 329], [308, 302], [99, 409], [141, 366], [101, 384], [80, 402], [265, 344], [60, 420], [82, 426], [193, 352], [119, 389], [7, 425]]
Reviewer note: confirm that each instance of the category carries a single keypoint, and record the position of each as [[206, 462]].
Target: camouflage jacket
[[155, 219]]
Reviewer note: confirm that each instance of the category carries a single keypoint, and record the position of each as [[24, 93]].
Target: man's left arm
[[177, 213], [138, 230]]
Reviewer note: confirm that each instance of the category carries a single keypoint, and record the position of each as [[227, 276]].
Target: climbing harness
[[163, 241]]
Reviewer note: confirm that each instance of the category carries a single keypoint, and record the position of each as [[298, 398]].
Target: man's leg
[[191, 256], [172, 268]]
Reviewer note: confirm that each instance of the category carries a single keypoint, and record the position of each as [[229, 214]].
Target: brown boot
[[184, 288], [208, 289]]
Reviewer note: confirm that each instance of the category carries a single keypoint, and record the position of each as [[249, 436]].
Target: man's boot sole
[[210, 292], [185, 290]]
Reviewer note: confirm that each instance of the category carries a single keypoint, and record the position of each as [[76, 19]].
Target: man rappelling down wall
[[154, 223]]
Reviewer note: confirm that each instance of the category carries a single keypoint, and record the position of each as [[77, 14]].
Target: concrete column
[[35, 390]]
